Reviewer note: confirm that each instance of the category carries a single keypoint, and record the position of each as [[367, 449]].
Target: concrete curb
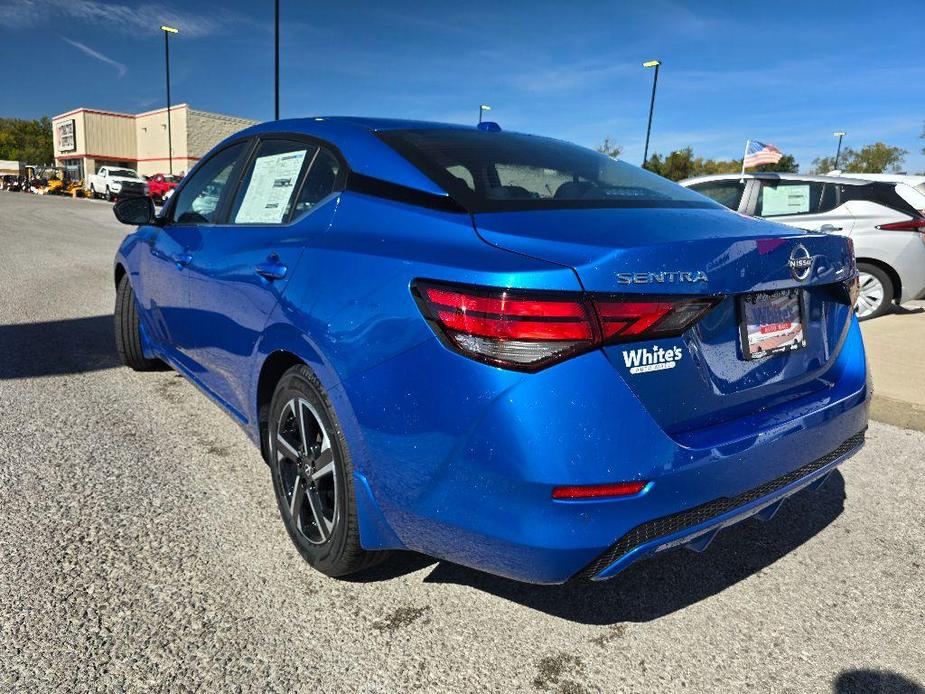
[[897, 412]]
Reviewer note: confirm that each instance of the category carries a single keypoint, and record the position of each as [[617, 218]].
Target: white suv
[[886, 221]]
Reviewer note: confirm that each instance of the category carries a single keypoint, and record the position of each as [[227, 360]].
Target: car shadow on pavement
[[906, 311], [55, 348], [658, 586], [875, 682]]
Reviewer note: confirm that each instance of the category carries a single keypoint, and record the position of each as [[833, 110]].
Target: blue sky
[[788, 73]]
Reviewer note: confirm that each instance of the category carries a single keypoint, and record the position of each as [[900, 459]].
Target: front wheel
[[128, 330], [313, 476], [875, 292], [108, 194]]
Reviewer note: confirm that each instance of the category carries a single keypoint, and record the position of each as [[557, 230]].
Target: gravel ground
[[141, 547]]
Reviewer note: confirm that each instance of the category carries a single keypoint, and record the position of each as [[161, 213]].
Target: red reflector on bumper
[[595, 491]]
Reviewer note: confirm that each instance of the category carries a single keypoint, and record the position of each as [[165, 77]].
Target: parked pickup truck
[[115, 182], [159, 184]]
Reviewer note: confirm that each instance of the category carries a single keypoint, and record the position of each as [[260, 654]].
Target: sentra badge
[[661, 277]]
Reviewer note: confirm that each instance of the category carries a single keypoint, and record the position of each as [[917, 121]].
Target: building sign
[[67, 142]]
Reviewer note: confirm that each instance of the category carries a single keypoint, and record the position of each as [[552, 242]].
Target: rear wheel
[[313, 477], [128, 330], [876, 292]]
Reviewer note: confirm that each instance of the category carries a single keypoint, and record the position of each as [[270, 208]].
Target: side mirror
[[135, 211]]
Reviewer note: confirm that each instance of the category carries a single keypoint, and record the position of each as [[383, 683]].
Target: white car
[[917, 182], [885, 219], [116, 182]]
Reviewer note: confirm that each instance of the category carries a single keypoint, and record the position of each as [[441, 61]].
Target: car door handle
[[271, 270], [828, 228], [181, 260]]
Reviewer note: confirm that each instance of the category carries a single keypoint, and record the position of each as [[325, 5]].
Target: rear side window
[[727, 193], [200, 200], [496, 172], [886, 194], [782, 198], [269, 185], [324, 177]]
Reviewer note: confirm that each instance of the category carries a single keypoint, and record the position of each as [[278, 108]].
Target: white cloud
[[127, 18], [120, 68]]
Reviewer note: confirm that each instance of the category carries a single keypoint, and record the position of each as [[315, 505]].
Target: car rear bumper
[[462, 467], [696, 527]]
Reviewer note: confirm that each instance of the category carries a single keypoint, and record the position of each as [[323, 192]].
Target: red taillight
[[597, 491], [527, 330], [628, 318], [914, 224]]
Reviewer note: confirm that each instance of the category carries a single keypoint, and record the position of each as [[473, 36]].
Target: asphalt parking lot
[[142, 550]]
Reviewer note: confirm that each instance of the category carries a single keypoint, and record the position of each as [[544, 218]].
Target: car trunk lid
[[717, 253]]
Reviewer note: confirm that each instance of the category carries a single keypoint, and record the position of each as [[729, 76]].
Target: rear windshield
[[499, 172]]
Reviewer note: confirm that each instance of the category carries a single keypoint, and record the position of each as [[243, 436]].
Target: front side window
[[270, 183], [726, 193], [782, 198], [200, 200], [495, 172]]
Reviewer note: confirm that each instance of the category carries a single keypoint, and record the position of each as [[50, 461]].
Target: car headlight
[[115, 185]]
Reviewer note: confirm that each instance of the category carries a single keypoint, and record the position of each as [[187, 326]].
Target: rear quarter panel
[[903, 251]]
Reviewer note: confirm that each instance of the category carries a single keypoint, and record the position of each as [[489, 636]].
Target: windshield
[[498, 172], [124, 173]]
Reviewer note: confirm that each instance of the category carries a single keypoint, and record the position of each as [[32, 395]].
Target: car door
[[164, 278], [805, 204], [243, 266]]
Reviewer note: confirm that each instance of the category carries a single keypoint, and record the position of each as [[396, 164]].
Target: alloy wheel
[[870, 296], [307, 473]]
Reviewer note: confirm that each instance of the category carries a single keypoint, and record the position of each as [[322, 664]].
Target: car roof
[[774, 176], [365, 153], [908, 179]]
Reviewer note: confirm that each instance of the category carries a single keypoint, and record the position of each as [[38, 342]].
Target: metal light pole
[[655, 64], [276, 63], [839, 135], [167, 32], [482, 109]]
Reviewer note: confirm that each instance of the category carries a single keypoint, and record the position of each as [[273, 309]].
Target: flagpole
[[744, 154]]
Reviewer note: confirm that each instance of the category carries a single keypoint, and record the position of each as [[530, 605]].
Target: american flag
[[758, 153]]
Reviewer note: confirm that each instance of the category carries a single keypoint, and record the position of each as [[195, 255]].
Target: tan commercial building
[[86, 139]]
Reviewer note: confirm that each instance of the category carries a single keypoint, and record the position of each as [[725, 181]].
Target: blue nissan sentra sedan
[[498, 349]]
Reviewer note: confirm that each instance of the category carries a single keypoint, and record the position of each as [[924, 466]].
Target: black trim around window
[[378, 188]]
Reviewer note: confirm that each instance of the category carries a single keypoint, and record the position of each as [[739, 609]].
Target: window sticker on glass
[[784, 200], [272, 184]]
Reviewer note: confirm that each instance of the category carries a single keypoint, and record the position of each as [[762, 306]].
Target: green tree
[[28, 141], [683, 164], [610, 148], [874, 158]]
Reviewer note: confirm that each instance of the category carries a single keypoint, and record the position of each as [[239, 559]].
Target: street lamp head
[[171, 30], [652, 63], [485, 107], [839, 134]]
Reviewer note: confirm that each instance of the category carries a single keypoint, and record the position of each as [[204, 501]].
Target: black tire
[[886, 303], [108, 195], [127, 330], [333, 550]]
